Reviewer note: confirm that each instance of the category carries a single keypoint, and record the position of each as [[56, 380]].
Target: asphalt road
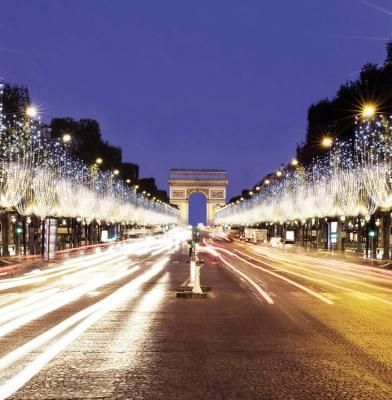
[[276, 325]]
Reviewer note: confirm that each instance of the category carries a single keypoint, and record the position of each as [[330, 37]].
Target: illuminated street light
[[279, 173], [66, 137], [251, 193], [294, 162], [327, 142], [31, 111], [257, 188], [368, 111], [136, 187], [99, 161], [116, 172], [128, 181], [267, 181]]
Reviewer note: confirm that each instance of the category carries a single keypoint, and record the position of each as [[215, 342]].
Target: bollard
[[196, 283], [192, 273]]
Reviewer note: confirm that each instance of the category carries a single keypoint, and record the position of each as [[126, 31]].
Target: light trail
[[62, 285], [322, 282], [291, 282], [44, 275], [86, 318], [297, 265], [39, 309], [343, 265], [40, 340], [83, 263]]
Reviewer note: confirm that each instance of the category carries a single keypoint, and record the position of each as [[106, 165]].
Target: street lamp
[[267, 181], [294, 162], [99, 161], [116, 172], [327, 141], [257, 188], [279, 173], [368, 110], [128, 181], [31, 111], [66, 137]]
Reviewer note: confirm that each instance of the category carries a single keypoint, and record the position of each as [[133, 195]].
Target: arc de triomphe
[[210, 182]]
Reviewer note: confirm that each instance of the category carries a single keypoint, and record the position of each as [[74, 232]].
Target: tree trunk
[[386, 229], [5, 227]]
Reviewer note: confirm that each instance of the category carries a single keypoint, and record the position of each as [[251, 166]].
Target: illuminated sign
[[290, 237]]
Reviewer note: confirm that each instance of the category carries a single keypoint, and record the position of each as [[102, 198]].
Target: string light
[[353, 179], [39, 176]]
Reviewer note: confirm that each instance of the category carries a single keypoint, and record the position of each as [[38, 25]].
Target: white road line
[[249, 280]]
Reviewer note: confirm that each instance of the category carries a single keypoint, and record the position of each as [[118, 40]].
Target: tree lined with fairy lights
[[38, 176], [354, 178]]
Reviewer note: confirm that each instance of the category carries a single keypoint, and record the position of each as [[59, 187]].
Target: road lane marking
[[259, 290]]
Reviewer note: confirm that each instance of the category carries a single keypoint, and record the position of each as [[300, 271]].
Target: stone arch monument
[[210, 182]]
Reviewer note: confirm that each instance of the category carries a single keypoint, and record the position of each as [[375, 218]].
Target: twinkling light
[[354, 178], [38, 176]]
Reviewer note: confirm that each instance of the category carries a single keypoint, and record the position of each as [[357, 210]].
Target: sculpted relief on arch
[[190, 191]]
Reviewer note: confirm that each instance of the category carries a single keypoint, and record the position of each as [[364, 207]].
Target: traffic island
[[188, 288], [193, 290], [190, 295]]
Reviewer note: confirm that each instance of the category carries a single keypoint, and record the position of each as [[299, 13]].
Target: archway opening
[[197, 209]]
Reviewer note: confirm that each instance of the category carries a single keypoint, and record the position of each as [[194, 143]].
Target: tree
[[15, 99], [336, 117], [130, 171], [149, 185], [111, 156]]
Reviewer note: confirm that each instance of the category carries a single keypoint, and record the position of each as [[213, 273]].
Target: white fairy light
[[37, 176], [355, 178]]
